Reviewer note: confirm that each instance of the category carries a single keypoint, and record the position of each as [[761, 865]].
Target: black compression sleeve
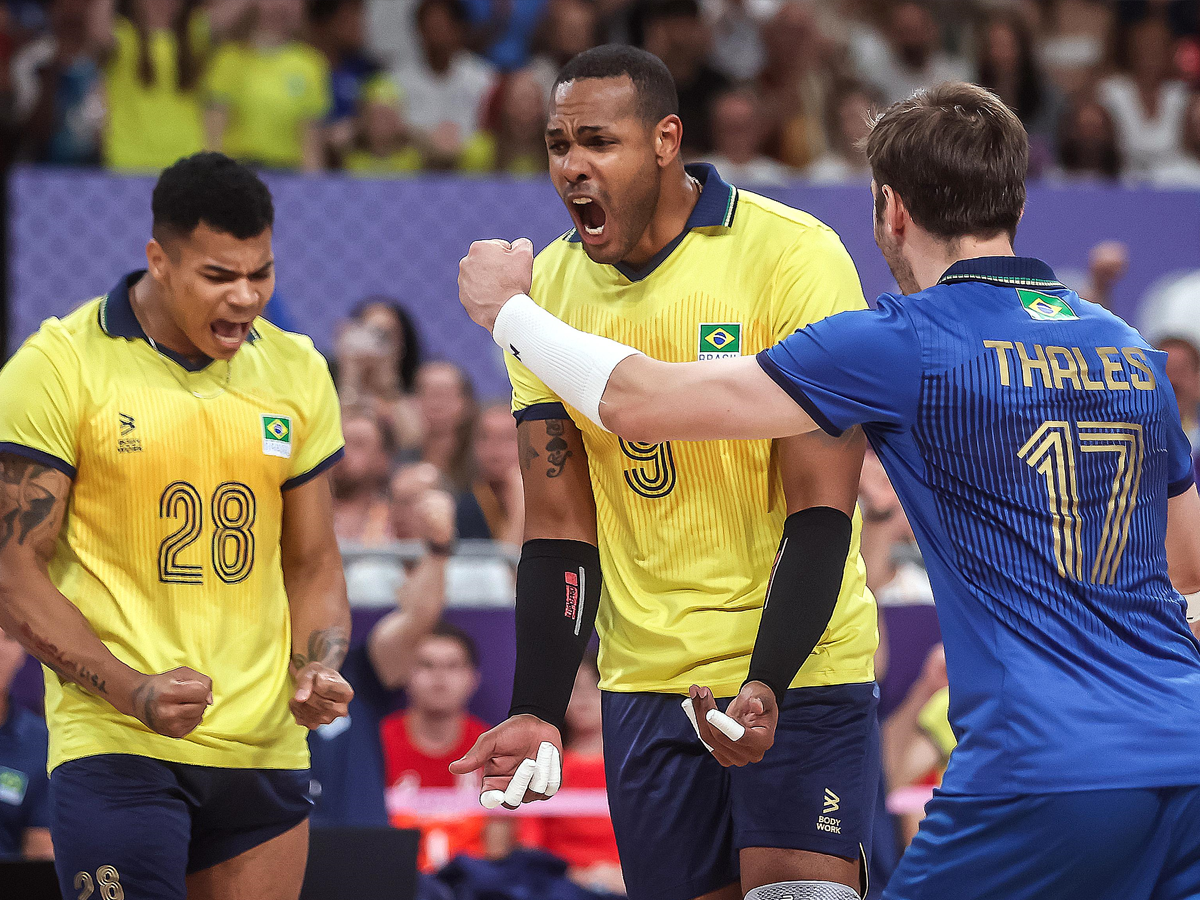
[[558, 590], [805, 583]]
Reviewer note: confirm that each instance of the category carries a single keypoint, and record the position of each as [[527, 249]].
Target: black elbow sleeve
[[805, 584], [558, 591]]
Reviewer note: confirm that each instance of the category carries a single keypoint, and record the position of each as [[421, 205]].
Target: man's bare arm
[[316, 591], [1183, 541], [560, 530], [650, 400], [393, 640], [33, 500]]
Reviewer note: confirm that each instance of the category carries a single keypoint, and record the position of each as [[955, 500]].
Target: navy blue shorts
[[681, 818], [154, 822], [1137, 844]]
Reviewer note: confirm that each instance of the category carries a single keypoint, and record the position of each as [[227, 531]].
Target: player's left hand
[[322, 695], [490, 274], [753, 711]]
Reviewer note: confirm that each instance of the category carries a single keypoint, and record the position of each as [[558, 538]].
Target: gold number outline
[[1051, 452]]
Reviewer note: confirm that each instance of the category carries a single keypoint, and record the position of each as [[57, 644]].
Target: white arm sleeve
[[574, 364]]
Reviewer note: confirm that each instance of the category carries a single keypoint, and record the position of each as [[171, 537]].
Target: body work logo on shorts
[[720, 339], [1045, 307], [826, 822], [277, 436]]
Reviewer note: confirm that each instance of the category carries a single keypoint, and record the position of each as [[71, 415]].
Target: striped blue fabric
[[1034, 440]]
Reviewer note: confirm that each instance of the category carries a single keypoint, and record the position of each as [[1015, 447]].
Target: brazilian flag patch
[[720, 339], [1045, 307], [277, 436]]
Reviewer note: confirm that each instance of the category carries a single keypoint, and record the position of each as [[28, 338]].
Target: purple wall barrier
[[339, 239]]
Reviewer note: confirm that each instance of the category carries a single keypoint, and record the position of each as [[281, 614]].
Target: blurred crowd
[[769, 89]]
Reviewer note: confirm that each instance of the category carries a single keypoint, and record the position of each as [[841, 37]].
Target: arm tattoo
[[525, 449], [56, 661], [557, 453], [144, 696], [25, 501], [327, 647]]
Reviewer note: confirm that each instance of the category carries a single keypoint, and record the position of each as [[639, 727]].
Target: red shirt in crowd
[[582, 841], [404, 761], [408, 767]]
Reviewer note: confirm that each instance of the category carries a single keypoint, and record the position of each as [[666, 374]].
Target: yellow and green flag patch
[[1045, 307], [277, 436], [718, 339]]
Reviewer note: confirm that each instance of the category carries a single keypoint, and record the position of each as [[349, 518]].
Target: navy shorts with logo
[[147, 824], [680, 817]]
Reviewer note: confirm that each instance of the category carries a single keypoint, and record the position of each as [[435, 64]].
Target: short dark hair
[[319, 12], [455, 9], [652, 81], [214, 189], [957, 156], [444, 629]]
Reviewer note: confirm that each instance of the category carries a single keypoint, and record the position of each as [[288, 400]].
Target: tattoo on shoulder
[[557, 452], [26, 502], [327, 647]]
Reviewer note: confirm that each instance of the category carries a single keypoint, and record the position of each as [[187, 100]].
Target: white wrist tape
[[573, 364]]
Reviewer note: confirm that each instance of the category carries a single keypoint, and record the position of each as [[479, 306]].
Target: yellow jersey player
[[683, 266], [167, 552]]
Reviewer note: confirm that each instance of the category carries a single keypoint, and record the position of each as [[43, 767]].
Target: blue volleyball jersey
[[1034, 441]]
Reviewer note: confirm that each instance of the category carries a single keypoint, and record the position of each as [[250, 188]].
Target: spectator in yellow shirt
[[267, 95], [153, 65]]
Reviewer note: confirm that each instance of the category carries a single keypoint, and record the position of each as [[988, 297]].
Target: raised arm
[[316, 592], [33, 502], [558, 591], [420, 600], [637, 397]]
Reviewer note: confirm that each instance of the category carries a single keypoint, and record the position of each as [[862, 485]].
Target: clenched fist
[[490, 274], [172, 703]]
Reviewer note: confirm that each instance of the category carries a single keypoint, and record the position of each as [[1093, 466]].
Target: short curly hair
[[214, 189]]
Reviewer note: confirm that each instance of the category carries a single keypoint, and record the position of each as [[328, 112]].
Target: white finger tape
[[691, 714], [731, 728], [515, 792], [555, 773], [541, 771], [491, 799]]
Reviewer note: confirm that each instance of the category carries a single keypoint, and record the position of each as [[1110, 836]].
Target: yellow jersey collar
[[715, 208], [117, 319]]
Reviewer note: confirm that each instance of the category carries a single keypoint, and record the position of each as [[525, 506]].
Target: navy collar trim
[[117, 319], [1004, 271], [715, 209]]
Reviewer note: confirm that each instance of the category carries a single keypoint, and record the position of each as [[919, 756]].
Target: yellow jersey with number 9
[[171, 542], [688, 530]]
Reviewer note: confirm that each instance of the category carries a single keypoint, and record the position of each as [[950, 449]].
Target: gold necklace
[[171, 365]]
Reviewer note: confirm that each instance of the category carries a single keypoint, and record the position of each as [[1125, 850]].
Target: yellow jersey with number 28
[[171, 543]]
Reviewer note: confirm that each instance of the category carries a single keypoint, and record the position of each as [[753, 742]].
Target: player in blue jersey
[[1034, 441]]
